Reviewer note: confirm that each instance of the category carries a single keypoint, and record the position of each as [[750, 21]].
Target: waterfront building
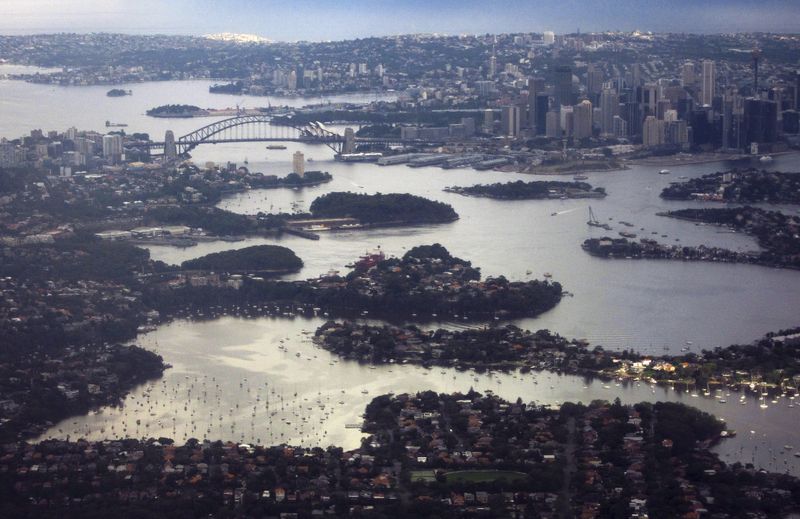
[[620, 127], [553, 124], [488, 121], [761, 121], [652, 132], [511, 120], [299, 163], [566, 120], [609, 108], [582, 119]]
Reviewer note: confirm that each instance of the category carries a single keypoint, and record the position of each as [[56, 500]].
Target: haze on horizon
[[316, 20]]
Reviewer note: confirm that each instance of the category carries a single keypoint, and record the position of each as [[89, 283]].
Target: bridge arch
[[258, 128]]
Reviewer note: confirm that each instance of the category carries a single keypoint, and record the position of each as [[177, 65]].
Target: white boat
[[765, 158], [664, 172]]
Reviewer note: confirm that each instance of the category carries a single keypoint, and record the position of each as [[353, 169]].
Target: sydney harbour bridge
[[259, 128]]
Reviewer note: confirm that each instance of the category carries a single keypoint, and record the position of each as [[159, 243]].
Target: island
[[258, 259], [770, 363], [176, 111], [118, 92], [426, 454], [380, 209], [536, 190], [738, 186]]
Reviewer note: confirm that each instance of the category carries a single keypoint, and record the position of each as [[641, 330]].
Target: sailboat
[[594, 222]]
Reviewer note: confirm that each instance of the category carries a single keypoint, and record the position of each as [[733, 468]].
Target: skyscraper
[[582, 119], [553, 124], [709, 80], [511, 120], [594, 80], [687, 74], [112, 147], [761, 121], [535, 87], [298, 163], [652, 132], [563, 83], [609, 107], [542, 107]]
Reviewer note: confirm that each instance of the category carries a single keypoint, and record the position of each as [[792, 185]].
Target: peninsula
[[773, 361], [748, 186]]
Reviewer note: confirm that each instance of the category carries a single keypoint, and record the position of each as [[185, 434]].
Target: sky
[[316, 20]]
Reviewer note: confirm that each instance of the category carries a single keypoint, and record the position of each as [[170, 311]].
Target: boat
[[276, 147], [594, 222], [664, 172], [553, 214], [547, 275], [580, 177], [626, 234], [765, 158]]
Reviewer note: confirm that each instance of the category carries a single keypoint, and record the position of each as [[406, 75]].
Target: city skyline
[[313, 20]]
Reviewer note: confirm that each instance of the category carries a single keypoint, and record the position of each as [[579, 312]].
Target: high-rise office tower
[[563, 84], [582, 119], [112, 147], [620, 127], [761, 121], [488, 121], [609, 107], [553, 124], [535, 87], [542, 107], [511, 120], [594, 80], [492, 65], [636, 74], [652, 132], [548, 37], [687, 74], [650, 98], [709, 80], [298, 163]]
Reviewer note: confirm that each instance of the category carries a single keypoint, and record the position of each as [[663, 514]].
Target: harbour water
[[264, 381], [649, 306]]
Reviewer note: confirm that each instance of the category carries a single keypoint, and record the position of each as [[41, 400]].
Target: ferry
[[276, 147]]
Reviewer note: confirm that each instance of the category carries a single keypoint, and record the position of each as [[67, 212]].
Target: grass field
[[483, 476], [424, 476]]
